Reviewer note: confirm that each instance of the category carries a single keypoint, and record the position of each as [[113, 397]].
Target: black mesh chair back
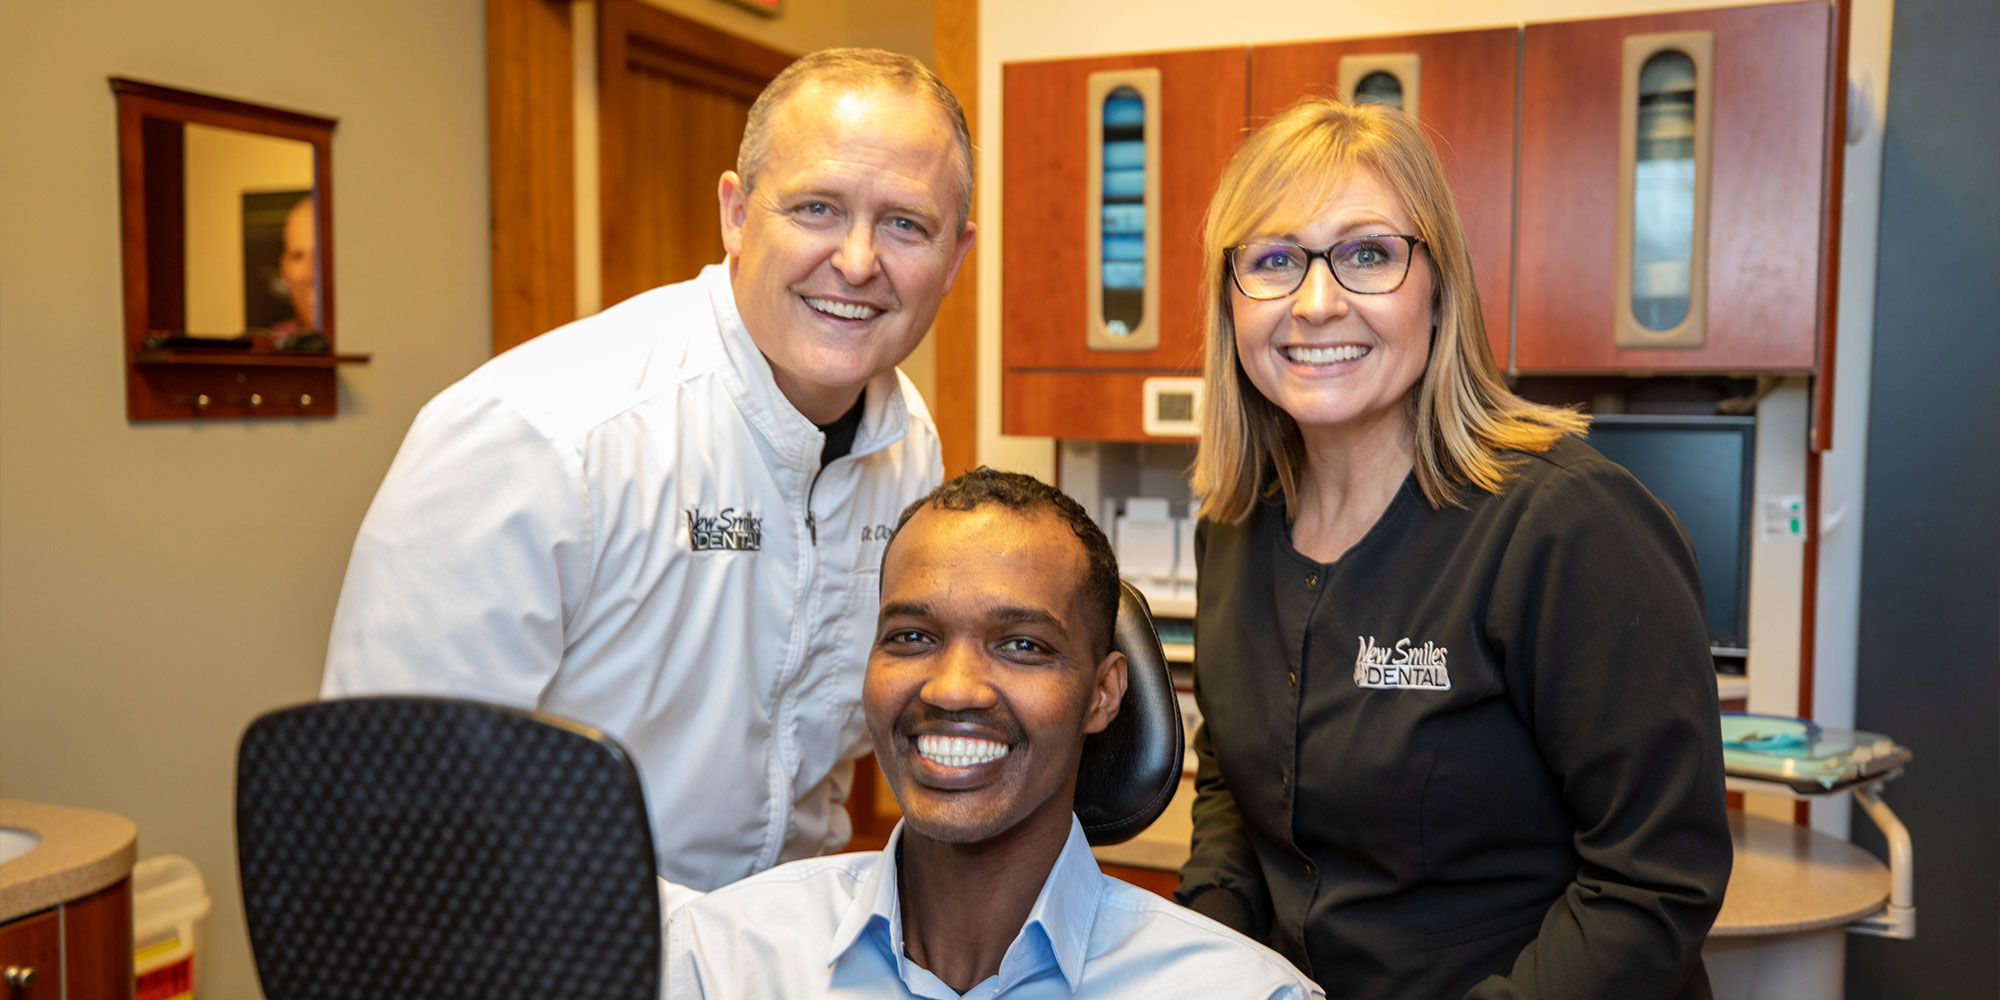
[[436, 848], [1131, 770]]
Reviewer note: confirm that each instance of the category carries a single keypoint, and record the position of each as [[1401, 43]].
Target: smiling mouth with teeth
[[844, 310], [959, 751], [1325, 355]]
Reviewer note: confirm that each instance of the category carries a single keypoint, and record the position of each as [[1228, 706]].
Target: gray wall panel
[[1929, 636]]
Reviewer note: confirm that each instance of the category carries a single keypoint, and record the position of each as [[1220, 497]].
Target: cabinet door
[[1756, 291], [29, 950], [1056, 382], [1460, 85], [97, 930]]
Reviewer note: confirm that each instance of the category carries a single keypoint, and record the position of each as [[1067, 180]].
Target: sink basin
[[14, 843]]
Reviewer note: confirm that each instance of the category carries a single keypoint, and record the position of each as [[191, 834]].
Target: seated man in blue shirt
[[991, 661]]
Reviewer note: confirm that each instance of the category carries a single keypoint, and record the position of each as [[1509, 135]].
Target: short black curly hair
[[1024, 494]]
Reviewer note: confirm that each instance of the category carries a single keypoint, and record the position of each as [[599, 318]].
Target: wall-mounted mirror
[[227, 218]]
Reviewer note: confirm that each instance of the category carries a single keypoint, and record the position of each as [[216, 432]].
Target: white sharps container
[[169, 908]]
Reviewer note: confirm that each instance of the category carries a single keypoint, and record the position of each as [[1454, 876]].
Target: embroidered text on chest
[[727, 530], [1403, 665]]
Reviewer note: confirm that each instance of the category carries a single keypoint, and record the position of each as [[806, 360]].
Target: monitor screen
[[1703, 468]]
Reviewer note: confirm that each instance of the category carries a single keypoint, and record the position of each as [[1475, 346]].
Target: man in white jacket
[[666, 520]]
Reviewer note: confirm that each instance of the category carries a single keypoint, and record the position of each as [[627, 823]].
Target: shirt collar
[[1058, 925], [885, 417], [875, 907], [1067, 907]]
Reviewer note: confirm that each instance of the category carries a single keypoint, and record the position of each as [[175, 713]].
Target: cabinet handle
[[21, 976]]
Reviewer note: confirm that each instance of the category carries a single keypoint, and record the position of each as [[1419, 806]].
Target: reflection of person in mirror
[[295, 266]]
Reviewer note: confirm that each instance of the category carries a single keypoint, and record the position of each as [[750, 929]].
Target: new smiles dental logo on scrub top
[[1401, 666]]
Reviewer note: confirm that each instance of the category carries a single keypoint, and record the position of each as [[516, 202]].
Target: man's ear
[[958, 255], [733, 202], [1107, 693]]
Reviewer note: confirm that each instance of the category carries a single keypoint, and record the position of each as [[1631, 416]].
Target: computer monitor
[[1703, 467]]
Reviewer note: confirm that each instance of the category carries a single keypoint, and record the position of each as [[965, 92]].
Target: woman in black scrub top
[[1461, 736]]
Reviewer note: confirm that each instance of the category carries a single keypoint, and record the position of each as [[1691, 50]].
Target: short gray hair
[[858, 68]]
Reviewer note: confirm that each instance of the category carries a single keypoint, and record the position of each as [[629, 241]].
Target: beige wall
[[162, 584]]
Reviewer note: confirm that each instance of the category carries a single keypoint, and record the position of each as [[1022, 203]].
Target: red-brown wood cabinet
[[1055, 384], [82, 948], [1764, 218], [1549, 234]]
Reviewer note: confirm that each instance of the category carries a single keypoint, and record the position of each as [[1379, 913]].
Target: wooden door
[[1768, 167], [1054, 383], [1467, 108], [672, 99]]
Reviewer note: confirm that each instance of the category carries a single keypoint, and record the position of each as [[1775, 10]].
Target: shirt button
[[1309, 869], [1312, 578], [1293, 678]]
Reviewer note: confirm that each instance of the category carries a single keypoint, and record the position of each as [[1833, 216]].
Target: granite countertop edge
[[81, 852], [1791, 879]]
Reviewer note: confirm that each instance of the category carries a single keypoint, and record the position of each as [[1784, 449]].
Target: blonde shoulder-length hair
[[1462, 412]]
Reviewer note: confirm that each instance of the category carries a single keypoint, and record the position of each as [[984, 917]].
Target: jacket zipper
[[812, 522]]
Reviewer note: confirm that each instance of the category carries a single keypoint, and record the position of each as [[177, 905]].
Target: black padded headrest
[[430, 847], [1131, 770]]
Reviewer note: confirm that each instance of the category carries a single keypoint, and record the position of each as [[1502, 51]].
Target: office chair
[[436, 848], [1131, 770]]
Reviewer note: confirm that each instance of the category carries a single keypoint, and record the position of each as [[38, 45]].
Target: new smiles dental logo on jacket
[[1403, 665], [727, 531]]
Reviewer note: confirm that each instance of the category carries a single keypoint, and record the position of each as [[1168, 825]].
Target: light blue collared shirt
[[833, 927]]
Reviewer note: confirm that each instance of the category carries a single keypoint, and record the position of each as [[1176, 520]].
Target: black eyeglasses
[[1365, 265]]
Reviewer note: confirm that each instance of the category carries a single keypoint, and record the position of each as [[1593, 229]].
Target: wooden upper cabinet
[[1073, 358], [1566, 145], [1460, 85], [1757, 141]]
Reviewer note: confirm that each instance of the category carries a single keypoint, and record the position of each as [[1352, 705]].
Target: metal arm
[[1899, 918]]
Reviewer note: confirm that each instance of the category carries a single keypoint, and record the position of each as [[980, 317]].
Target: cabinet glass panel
[[1123, 241], [1664, 190], [1124, 236], [1391, 79], [1380, 88]]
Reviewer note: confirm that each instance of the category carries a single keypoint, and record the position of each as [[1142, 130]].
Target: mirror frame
[[180, 382]]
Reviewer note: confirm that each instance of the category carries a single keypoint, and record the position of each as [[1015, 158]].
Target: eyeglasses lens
[[1370, 265]]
